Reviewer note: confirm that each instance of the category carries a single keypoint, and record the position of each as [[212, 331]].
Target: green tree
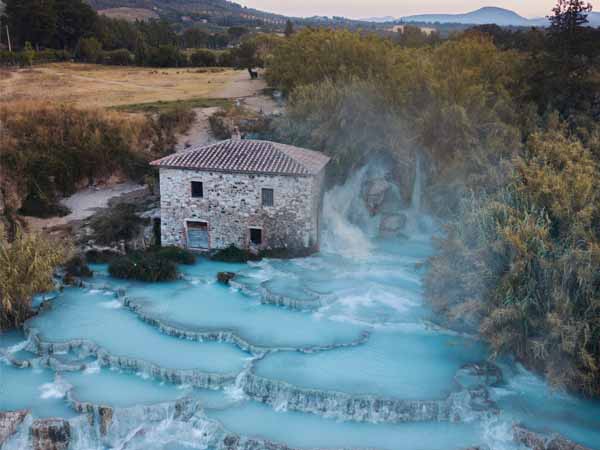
[[31, 20], [563, 76], [289, 28], [28, 54], [74, 19], [203, 58], [89, 50], [26, 268]]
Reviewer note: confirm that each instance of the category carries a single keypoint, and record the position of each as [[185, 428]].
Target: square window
[[256, 236], [268, 197], [197, 189]]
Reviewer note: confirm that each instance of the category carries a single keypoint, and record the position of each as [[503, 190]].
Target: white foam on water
[[92, 368], [57, 389], [113, 304]]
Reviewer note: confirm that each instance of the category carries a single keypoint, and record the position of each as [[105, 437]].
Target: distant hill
[[216, 12], [488, 15], [499, 16]]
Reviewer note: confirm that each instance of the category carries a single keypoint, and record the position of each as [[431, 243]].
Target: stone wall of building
[[232, 203]]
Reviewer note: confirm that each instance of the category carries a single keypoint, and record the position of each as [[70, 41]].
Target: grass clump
[[143, 266], [153, 265], [27, 264]]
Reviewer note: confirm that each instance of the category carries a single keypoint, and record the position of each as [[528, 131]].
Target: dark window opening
[[197, 189], [267, 197], [256, 236]]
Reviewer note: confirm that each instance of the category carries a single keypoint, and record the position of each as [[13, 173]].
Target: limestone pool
[[334, 351]]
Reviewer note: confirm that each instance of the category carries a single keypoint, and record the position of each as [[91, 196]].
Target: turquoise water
[[355, 328], [390, 364], [99, 317], [310, 431]]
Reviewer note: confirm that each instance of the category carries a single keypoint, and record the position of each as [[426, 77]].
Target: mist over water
[[286, 346]]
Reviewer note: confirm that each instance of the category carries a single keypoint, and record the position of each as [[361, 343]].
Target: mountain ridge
[[488, 15]]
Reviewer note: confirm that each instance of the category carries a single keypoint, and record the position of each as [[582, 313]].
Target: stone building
[[253, 194]]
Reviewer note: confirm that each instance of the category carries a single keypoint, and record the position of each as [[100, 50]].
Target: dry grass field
[[90, 85], [130, 14]]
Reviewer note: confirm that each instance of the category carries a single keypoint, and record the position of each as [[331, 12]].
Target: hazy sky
[[397, 8]]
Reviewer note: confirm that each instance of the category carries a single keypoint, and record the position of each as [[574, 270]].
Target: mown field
[[91, 85]]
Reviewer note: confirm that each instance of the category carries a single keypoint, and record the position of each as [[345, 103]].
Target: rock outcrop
[[225, 277], [392, 225], [9, 422], [50, 434], [536, 441], [373, 193]]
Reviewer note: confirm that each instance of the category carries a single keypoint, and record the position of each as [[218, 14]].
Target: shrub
[[89, 50], [521, 264], [203, 58], [50, 151], [101, 256], [176, 255], [26, 268], [233, 254], [119, 57], [143, 266], [119, 223], [43, 207]]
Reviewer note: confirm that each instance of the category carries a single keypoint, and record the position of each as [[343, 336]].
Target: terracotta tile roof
[[248, 156]]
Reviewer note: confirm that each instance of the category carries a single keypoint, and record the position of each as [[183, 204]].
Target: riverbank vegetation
[[27, 264], [505, 126], [51, 151]]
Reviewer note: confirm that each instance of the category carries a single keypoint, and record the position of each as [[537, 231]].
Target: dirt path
[[248, 93], [84, 204]]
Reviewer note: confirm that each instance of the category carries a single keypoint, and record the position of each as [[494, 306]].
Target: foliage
[[26, 268], [289, 28], [454, 105], [89, 50], [57, 23], [119, 223], [76, 267], [203, 58], [119, 57], [225, 121], [143, 266], [522, 263], [233, 254], [176, 255], [52, 151], [311, 56]]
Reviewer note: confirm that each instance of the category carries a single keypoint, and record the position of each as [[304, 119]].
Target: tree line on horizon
[[63, 30]]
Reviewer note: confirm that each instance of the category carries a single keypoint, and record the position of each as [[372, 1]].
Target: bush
[[101, 256], [43, 207], [176, 255], [119, 57], [119, 223], [76, 268], [203, 58], [89, 50], [233, 254], [166, 56], [143, 266], [51, 151], [521, 265], [26, 268]]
